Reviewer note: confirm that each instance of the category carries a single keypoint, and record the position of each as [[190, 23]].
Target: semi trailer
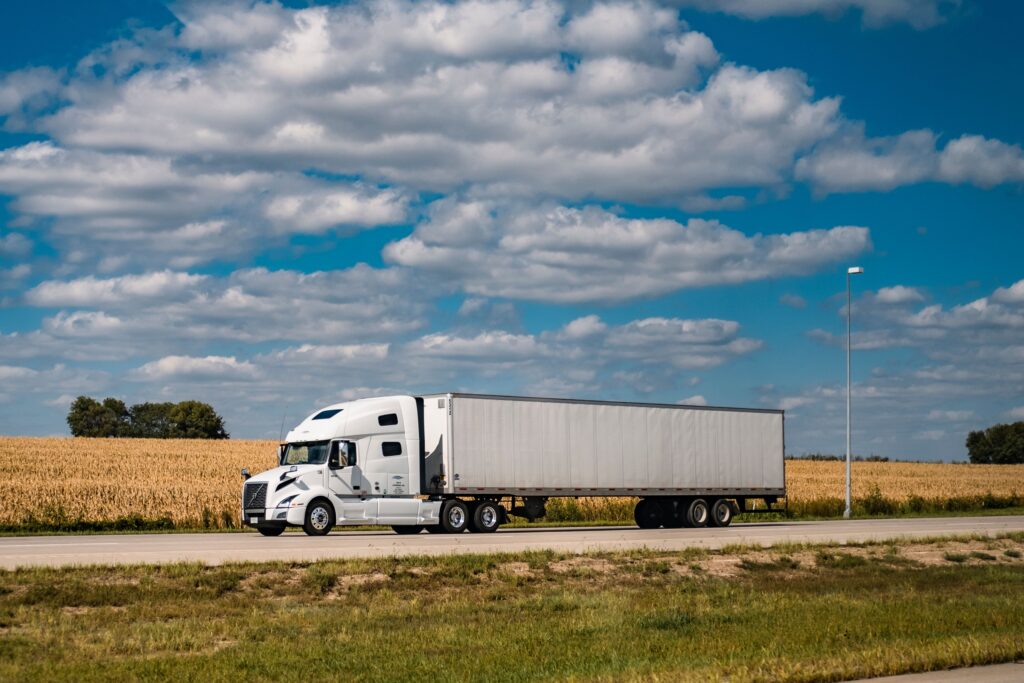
[[451, 462]]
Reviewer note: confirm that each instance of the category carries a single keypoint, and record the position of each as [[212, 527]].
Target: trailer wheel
[[454, 517], [270, 530], [721, 513], [647, 514], [486, 518], [697, 514], [319, 518], [407, 529]]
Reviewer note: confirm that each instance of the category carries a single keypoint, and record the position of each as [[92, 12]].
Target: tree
[[185, 420], [1000, 444], [196, 420], [152, 421]]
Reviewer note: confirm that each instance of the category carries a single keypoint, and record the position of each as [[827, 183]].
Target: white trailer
[[451, 462]]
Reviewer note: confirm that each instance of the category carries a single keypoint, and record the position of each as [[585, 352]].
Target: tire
[[270, 530], [486, 518], [434, 529], [721, 513], [647, 514], [454, 517], [319, 518], [697, 513], [673, 513], [407, 529]]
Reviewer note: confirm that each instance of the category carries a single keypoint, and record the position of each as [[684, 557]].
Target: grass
[[798, 613]]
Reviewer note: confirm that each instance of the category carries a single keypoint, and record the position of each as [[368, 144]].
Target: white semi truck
[[451, 462]]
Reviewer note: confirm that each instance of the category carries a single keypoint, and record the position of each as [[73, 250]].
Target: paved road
[[994, 673], [216, 548]]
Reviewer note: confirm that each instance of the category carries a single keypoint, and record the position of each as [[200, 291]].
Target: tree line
[[112, 418], [1001, 444]]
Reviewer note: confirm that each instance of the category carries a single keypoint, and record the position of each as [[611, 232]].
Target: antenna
[[280, 434]]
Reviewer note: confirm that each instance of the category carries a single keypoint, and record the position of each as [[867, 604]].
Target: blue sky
[[274, 207]]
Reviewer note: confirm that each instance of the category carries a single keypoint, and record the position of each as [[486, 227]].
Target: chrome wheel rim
[[700, 513], [488, 516], [456, 516], [319, 518]]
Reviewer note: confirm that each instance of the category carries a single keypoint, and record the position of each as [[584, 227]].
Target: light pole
[[856, 270]]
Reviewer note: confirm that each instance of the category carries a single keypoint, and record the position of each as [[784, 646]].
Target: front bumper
[[269, 517]]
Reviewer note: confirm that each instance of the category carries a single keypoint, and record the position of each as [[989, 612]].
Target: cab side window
[[391, 448]]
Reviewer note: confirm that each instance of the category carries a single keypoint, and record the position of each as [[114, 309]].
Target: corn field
[[154, 483]]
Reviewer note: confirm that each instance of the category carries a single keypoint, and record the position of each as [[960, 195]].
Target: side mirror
[[245, 473]]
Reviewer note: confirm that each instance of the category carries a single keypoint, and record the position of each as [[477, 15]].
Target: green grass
[[524, 617]]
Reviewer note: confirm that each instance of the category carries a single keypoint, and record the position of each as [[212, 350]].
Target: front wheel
[[270, 530], [319, 518]]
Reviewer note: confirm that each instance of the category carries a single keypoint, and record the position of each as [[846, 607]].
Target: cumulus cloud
[[93, 291], [920, 14], [562, 254], [206, 368], [856, 163], [695, 400]]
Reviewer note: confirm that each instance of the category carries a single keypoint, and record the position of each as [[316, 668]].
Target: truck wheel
[[407, 529], [647, 514], [270, 530], [721, 513], [697, 514], [434, 529], [486, 518], [319, 518], [454, 517]]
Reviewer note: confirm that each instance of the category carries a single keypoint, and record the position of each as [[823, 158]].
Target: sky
[[272, 207]]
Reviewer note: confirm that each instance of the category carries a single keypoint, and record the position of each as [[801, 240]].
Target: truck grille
[[255, 496]]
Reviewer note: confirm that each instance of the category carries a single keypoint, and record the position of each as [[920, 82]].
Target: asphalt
[[218, 548], [1013, 672]]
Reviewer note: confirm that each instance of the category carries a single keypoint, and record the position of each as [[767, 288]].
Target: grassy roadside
[[797, 612], [156, 527]]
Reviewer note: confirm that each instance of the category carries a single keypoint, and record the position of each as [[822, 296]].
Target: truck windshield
[[312, 453]]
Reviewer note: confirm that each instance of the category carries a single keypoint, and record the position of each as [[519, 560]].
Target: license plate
[[253, 520]]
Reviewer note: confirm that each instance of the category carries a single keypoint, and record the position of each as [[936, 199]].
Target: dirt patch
[[352, 580], [516, 568], [595, 565]]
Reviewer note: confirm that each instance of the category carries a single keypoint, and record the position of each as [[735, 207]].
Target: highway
[[218, 548]]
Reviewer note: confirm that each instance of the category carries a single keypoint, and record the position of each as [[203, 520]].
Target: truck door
[[344, 478]]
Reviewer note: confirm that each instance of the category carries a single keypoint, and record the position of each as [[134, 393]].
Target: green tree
[[1000, 444], [196, 420], [152, 421], [89, 417]]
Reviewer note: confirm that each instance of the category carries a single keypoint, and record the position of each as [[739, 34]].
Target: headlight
[[286, 502]]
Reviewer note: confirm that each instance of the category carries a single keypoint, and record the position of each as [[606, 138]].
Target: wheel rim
[[722, 513], [488, 516], [700, 513], [319, 518], [456, 516]]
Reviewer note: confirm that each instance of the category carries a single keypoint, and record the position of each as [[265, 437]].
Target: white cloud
[[898, 295], [561, 254], [920, 14], [950, 415], [695, 400], [14, 372], [856, 163], [92, 291], [206, 368], [14, 244], [1016, 413], [930, 434], [315, 212], [793, 301]]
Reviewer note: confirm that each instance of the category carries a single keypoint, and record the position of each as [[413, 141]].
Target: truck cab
[[346, 464]]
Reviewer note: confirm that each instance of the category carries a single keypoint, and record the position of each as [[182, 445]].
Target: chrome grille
[[255, 496]]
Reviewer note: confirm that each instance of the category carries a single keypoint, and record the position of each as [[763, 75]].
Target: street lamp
[[856, 270]]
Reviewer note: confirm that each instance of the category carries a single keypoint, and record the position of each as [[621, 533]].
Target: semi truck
[[453, 462]]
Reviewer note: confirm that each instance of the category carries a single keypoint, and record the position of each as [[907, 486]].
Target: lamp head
[[856, 270]]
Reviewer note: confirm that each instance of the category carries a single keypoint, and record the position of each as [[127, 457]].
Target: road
[[217, 548]]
